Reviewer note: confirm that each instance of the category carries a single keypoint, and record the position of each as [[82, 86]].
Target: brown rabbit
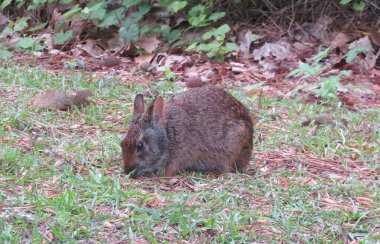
[[204, 129]]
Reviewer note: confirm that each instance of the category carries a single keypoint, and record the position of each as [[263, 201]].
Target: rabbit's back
[[208, 130]]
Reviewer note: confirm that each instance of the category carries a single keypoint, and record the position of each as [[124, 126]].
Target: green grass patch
[[60, 176]]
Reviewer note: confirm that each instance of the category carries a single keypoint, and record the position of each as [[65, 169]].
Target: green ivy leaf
[[130, 3], [172, 35], [351, 55], [129, 31], [321, 55], [344, 2], [345, 73], [218, 33], [5, 54], [38, 47], [192, 46], [176, 6], [20, 4], [180, 43], [112, 17], [230, 47], [7, 30], [74, 10], [329, 87], [196, 10], [222, 30], [207, 35], [216, 16], [38, 27], [61, 37], [36, 3], [97, 11], [21, 24], [358, 5], [255, 37], [144, 9], [198, 21], [26, 43], [5, 4]]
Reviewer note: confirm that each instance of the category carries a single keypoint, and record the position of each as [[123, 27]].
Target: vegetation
[[314, 177], [60, 177], [133, 20]]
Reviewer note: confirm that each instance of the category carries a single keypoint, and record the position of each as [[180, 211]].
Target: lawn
[[61, 181]]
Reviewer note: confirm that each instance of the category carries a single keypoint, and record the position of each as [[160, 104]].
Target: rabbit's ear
[[138, 106], [158, 107]]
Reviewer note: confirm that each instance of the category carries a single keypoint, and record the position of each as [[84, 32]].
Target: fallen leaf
[[364, 200], [113, 43], [278, 50], [245, 41], [374, 34], [283, 181], [307, 181], [5, 139], [148, 44], [92, 48], [364, 64], [8, 128], [340, 41], [57, 99], [50, 236], [193, 81], [49, 210], [107, 224], [144, 61], [55, 180], [81, 98], [52, 99], [174, 180], [110, 61], [319, 120], [329, 201]]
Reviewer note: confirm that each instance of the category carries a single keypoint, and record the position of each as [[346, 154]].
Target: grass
[[60, 177]]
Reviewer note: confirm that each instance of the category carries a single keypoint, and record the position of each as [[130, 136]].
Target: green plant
[[327, 86], [198, 16], [129, 17], [357, 5], [214, 45]]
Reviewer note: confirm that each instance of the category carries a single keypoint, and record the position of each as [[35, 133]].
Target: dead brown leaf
[[148, 44], [364, 64], [245, 41], [319, 120], [8, 128], [110, 61], [193, 81], [144, 61], [283, 181], [339, 41], [92, 48], [52, 99], [278, 50], [49, 210], [58, 99]]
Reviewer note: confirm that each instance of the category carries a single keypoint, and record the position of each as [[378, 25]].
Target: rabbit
[[204, 129]]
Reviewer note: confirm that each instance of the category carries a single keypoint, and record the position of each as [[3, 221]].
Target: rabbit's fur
[[204, 129]]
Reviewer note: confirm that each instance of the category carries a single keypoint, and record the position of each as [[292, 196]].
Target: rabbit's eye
[[140, 146]]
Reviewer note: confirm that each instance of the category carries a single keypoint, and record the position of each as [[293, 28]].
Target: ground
[[61, 181]]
